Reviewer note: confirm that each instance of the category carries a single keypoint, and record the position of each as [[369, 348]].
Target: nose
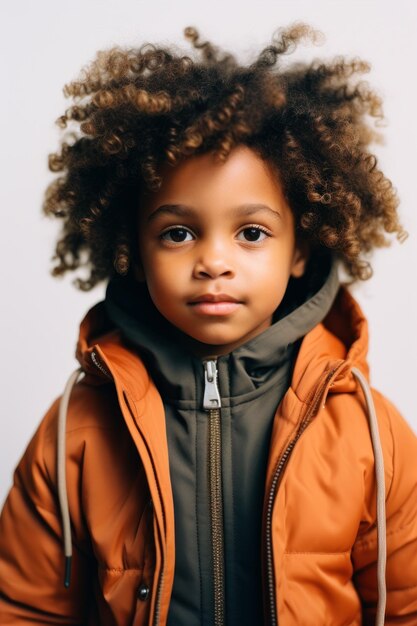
[[213, 260]]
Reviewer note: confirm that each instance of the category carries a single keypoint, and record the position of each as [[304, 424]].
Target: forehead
[[202, 180]]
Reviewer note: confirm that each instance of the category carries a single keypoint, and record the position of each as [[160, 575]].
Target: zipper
[[97, 362], [212, 404], [158, 597], [317, 397]]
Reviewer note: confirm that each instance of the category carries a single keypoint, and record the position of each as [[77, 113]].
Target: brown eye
[[175, 235], [254, 234]]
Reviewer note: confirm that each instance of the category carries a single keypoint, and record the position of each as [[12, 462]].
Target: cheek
[[163, 276], [270, 266], [268, 277]]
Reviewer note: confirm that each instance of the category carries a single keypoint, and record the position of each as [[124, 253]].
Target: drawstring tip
[[67, 571]]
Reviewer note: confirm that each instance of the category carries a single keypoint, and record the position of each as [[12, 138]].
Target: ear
[[301, 256]]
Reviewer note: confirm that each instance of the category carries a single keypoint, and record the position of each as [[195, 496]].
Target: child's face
[[217, 246]]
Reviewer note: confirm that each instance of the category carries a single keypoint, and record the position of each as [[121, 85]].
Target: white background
[[45, 43]]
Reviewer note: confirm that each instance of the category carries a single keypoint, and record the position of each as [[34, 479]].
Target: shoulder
[[89, 406], [397, 437], [100, 454], [93, 420], [402, 452], [398, 443]]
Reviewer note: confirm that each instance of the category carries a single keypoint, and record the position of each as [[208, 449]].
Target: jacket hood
[[177, 371], [330, 324]]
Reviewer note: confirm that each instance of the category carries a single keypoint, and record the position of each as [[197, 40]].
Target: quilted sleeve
[[401, 520], [31, 555]]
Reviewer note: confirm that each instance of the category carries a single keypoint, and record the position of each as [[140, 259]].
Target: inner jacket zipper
[[212, 404]]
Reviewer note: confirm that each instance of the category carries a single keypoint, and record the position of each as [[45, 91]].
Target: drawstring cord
[[380, 498], [379, 472], [61, 472]]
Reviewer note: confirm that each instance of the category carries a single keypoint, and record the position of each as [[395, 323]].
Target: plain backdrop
[[45, 43]]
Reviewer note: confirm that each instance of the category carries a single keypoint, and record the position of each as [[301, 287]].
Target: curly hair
[[139, 108]]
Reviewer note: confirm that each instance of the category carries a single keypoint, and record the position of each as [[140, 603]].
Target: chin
[[214, 340]]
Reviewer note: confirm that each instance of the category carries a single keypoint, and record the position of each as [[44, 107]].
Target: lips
[[211, 297], [215, 304]]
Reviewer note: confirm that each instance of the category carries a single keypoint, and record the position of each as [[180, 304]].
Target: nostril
[[213, 272]]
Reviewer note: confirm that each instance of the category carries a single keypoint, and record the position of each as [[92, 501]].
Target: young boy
[[222, 458]]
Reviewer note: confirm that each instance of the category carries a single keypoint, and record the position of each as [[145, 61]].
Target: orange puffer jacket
[[324, 546]]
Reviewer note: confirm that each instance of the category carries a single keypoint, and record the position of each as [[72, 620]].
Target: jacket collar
[[342, 334], [176, 370]]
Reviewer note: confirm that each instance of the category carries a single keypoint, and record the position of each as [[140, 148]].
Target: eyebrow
[[182, 210]]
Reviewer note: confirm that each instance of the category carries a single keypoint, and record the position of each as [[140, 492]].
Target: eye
[[175, 235], [254, 233]]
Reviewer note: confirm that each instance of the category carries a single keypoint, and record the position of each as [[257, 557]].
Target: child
[[218, 457]]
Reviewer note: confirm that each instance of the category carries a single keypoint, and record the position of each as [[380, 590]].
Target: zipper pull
[[211, 398]]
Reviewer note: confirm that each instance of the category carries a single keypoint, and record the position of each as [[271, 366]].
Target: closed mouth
[[225, 307], [213, 298]]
